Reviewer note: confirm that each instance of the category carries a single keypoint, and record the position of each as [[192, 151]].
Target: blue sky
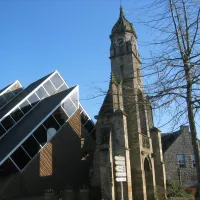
[[72, 36]]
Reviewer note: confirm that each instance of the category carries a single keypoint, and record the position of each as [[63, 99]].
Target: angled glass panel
[[33, 99], [7, 122], [74, 98], [69, 107], [20, 157], [3, 101], [2, 130], [84, 117], [25, 107], [42, 93], [60, 116], [49, 87], [8, 168], [31, 146], [62, 88], [89, 126], [57, 81], [16, 88], [41, 135], [9, 95], [17, 114], [51, 123]]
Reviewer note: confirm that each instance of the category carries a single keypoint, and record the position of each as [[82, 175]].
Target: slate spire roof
[[123, 25]]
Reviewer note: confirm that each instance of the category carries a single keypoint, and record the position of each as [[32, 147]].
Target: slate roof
[[28, 123], [168, 139], [21, 96]]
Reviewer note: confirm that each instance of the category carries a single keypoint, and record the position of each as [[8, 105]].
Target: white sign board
[[120, 162], [120, 169], [121, 179], [121, 174], [119, 158]]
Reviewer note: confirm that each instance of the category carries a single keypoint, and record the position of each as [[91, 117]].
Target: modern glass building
[[46, 138]]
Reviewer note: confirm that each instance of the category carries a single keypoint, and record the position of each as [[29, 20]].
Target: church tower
[[123, 126]]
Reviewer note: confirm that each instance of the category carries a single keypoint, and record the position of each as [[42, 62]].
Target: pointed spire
[[121, 12]]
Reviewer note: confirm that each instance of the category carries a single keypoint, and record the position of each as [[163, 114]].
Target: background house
[[179, 157]]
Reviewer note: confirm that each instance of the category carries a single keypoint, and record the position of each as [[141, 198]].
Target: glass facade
[[27, 149], [50, 86], [38, 138]]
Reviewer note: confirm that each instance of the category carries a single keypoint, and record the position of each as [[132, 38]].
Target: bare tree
[[176, 62]]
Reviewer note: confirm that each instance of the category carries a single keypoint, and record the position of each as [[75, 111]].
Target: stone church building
[[125, 126], [51, 150]]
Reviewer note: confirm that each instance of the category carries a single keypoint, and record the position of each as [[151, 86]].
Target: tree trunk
[[192, 125]]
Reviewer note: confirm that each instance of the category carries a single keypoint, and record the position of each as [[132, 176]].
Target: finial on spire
[[121, 11]]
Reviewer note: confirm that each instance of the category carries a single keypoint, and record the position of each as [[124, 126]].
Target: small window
[[25, 107], [41, 93], [41, 135], [51, 123], [7, 122], [74, 98], [60, 116], [69, 107], [181, 160], [193, 161], [31, 146], [17, 114], [49, 87], [33, 99], [57, 81]]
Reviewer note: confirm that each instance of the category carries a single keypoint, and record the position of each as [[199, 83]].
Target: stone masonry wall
[[182, 145]]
